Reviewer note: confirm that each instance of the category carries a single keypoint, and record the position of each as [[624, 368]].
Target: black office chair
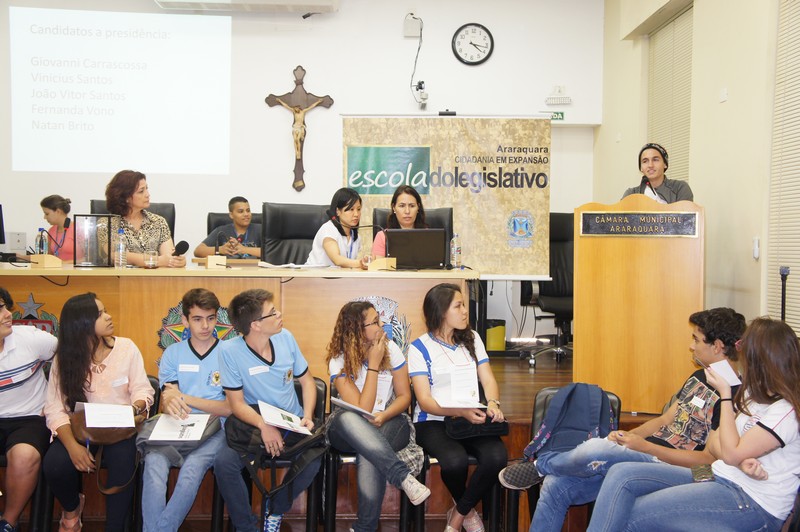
[[218, 219], [540, 404], [167, 210], [289, 231], [555, 297], [439, 218]]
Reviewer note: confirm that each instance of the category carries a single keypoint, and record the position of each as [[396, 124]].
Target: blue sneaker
[[5, 526], [273, 523]]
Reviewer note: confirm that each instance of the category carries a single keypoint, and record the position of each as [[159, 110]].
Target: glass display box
[[93, 240]]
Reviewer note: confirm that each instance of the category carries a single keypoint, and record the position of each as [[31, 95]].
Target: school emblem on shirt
[[288, 377], [213, 378], [172, 330]]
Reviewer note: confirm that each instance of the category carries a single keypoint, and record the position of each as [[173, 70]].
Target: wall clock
[[473, 44]]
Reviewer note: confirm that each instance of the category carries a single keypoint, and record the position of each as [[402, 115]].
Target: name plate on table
[[617, 223]]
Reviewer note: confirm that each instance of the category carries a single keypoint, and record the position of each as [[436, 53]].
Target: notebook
[[417, 249]]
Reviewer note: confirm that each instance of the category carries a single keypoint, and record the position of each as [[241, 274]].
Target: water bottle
[[41, 242], [455, 252], [121, 259]]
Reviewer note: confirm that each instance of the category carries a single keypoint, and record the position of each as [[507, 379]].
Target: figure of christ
[[299, 125]]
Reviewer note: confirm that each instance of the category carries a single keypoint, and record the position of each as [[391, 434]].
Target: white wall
[[360, 58]]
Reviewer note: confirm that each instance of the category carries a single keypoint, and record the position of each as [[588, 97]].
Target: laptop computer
[[417, 249]]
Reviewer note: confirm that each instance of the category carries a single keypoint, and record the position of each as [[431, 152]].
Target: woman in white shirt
[[91, 365], [757, 446], [370, 373], [337, 243], [446, 365]]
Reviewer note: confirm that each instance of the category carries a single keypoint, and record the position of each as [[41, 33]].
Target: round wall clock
[[473, 44]]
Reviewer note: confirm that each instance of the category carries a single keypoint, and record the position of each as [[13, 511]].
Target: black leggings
[[452, 456], [63, 478]]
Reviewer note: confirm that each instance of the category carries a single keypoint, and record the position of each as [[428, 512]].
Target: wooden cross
[[299, 102]]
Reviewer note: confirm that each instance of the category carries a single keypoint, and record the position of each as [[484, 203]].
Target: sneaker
[[520, 476], [273, 523], [473, 522], [415, 490], [5, 526]]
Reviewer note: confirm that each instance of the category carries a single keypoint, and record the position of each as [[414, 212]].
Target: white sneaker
[[415, 490]]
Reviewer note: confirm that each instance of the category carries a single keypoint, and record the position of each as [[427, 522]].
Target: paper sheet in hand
[[352, 408], [169, 428], [101, 415], [280, 418], [724, 370], [460, 404]]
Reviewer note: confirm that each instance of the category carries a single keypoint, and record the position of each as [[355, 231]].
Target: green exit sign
[[557, 115]]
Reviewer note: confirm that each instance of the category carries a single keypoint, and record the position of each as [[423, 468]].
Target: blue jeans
[[160, 515], [660, 497], [376, 459], [575, 477]]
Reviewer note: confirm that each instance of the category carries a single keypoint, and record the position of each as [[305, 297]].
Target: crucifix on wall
[[299, 102]]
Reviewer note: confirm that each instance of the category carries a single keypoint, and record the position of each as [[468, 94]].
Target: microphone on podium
[[220, 236], [180, 248]]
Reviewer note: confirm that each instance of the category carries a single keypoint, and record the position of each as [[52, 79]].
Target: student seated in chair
[[678, 436], [262, 365], [189, 376], [237, 240], [23, 433]]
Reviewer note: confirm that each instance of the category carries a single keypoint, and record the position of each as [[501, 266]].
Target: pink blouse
[[122, 382], [379, 245], [64, 247]]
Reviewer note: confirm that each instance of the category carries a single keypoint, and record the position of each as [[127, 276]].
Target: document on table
[[103, 415], [352, 408], [276, 417], [169, 428]]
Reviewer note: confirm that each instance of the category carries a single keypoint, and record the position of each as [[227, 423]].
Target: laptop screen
[[417, 249]]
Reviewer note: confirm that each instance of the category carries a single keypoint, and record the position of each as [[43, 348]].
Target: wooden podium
[[635, 287]]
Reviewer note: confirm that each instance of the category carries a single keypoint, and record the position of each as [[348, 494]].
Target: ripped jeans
[[592, 457], [575, 477]]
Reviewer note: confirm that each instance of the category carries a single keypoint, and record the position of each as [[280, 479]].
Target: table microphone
[[216, 244], [180, 248]]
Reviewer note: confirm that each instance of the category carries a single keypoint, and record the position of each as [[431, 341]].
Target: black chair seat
[[560, 306]]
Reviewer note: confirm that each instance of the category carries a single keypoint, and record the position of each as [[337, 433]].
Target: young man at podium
[[678, 436], [653, 162]]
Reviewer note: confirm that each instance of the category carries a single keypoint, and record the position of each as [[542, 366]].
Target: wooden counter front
[[139, 299]]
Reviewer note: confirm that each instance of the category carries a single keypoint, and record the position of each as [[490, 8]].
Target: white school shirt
[[347, 248], [396, 361]]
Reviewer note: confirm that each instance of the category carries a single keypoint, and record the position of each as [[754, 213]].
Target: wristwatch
[[495, 401]]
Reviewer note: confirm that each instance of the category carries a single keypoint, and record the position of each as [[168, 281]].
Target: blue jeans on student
[[376, 461], [660, 497], [575, 477], [160, 515]]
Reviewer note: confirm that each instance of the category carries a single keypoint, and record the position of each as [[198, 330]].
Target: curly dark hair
[[419, 221], [348, 338], [437, 302], [723, 324], [77, 341], [771, 365], [120, 189]]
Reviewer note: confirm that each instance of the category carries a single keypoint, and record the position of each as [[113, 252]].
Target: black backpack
[[576, 413], [299, 450]]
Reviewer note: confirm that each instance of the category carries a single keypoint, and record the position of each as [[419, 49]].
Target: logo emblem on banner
[[381, 169], [520, 229]]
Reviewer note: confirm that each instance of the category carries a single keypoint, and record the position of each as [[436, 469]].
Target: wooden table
[[140, 299]]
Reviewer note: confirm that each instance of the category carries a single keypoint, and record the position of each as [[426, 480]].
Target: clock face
[[473, 44]]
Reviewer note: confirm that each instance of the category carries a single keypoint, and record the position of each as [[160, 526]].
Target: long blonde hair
[[349, 341]]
